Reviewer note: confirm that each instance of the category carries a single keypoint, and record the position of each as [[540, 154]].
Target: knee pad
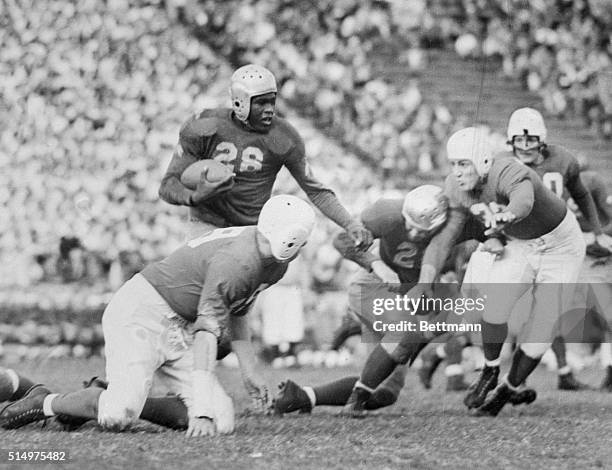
[[116, 413], [535, 350]]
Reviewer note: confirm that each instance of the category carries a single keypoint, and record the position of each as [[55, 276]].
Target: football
[[215, 171]]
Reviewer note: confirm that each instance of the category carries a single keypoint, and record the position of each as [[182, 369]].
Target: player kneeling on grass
[[168, 321]]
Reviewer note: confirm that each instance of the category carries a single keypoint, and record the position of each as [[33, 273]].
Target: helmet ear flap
[[247, 82]]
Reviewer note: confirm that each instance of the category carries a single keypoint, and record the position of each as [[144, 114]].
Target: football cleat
[[524, 396], [291, 397], [25, 411], [606, 386], [72, 423], [427, 370], [477, 392], [349, 327], [356, 404], [570, 383], [498, 399], [456, 383]]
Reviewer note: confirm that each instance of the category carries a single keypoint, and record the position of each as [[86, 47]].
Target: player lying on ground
[[404, 229], [543, 245], [168, 321], [254, 144]]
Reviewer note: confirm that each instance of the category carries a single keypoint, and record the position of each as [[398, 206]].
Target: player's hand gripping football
[[206, 188], [261, 398], [199, 427], [360, 235]]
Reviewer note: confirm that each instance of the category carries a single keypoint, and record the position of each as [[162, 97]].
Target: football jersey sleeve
[[441, 244], [227, 283], [320, 195], [346, 246], [514, 184], [190, 148], [581, 195]]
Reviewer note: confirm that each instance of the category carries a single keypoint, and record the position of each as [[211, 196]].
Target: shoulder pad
[[205, 123], [283, 137]]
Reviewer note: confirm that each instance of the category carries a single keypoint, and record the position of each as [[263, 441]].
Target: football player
[[404, 229], [560, 172], [543, 246], [168, 320], [255, 144]]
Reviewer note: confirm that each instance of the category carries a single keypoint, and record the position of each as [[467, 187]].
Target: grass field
[[423, 430]]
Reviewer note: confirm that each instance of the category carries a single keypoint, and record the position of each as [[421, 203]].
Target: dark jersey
[[509, 182], [560, 172], [603, 200], [255, 158], [397, 249], [518, 187], [214, 275]]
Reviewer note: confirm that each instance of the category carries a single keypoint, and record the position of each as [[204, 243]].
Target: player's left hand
[[261, 398], [199, 427], [360, 235], [605, 241]]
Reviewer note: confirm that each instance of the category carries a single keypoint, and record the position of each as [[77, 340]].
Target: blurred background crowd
[[93, 94]]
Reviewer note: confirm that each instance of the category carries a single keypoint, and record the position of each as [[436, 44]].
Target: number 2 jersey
[[214, 275], [255, 158], [397, 249]]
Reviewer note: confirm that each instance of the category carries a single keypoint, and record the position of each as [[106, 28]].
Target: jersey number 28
[[250, 159]]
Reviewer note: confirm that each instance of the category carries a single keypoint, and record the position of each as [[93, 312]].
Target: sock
[[494, 363], [510, 386], [81, 404], [454, 350], [606, 354], [377, 368], [558, 347], [169, 412], [395, 382], [47, 408], [564, 370], [493, 337], [522, 366], [452, 370], [381, 398], [312, 396], [334, 393]]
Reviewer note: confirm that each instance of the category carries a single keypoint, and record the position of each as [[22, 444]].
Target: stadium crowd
[[560, 49], [93, 98]]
